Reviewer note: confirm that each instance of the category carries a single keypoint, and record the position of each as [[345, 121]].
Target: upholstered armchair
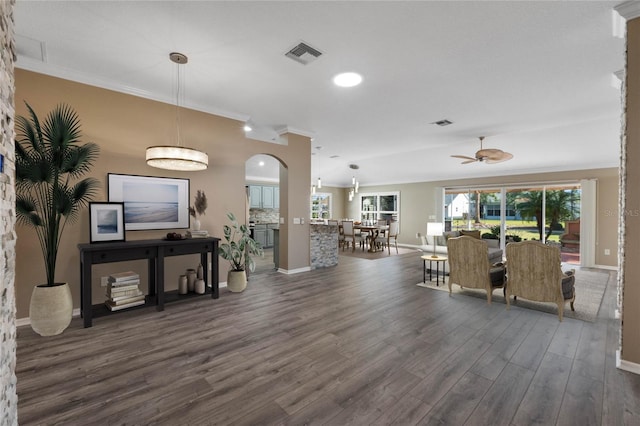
[[469, 265], [534, 273]]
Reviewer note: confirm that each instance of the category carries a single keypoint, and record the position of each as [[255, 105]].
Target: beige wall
[[124, 126], [631, 219], [418, 201]]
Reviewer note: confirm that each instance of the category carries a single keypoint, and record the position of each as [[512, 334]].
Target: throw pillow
[[474, 234]]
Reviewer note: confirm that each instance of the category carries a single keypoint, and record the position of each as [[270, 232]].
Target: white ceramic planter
[[236, 281], [50, 309]]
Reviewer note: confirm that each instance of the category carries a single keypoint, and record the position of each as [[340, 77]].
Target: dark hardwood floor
[[356, 344]]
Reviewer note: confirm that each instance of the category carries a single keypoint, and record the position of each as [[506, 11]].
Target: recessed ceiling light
[[347, 79], [261, 163], [247, 128]]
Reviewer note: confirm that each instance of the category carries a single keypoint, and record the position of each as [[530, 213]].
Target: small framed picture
[[106, 221]]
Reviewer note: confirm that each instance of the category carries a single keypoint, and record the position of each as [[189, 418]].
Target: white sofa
[[426, 246]]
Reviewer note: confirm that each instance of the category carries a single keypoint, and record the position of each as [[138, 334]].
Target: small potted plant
[[198, 209], [238, 250]]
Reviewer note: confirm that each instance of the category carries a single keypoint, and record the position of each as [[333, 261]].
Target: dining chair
[[392, 234], [348, 234]]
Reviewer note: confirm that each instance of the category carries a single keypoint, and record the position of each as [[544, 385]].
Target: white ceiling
[[535, 78]]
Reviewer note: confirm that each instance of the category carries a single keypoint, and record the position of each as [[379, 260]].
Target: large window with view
[[380, 206], [546, 213]]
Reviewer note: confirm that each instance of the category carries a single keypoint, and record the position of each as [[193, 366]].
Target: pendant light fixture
[[319, 182], [355, 185], [177, 157]]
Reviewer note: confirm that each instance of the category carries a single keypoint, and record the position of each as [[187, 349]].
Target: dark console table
[[154, 251]]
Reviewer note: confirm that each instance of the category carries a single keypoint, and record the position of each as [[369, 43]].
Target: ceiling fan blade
[[504, 157], [465, 157], [489, 153], [470, 161]]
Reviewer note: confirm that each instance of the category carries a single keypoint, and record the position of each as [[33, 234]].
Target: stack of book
[[123, 291], [197, 234]]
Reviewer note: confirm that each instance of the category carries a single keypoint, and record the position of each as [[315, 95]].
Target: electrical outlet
[[104, 281], [607, 252]]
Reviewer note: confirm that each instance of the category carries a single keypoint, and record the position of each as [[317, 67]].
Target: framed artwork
[[106, 222], [151, 202]]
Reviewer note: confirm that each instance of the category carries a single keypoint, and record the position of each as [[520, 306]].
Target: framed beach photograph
[[106, 222], [151, 202]]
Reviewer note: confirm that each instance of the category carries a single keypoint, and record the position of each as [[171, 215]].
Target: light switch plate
[[296, 221], [282, 221]]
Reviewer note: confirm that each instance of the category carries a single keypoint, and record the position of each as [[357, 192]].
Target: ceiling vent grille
[[303, 53], [443, 123]]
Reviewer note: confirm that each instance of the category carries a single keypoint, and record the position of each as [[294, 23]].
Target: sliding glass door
[[547, 213]]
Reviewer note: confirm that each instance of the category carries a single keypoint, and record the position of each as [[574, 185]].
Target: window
[[320, 206], [383, 205]]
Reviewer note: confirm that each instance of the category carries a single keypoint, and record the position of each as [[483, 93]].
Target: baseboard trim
[[629, 366], [27, 321], [610, 268], [294, 271]]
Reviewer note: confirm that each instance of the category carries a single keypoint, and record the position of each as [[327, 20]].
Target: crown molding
[[40, 67], [628, 10], [286, 129]]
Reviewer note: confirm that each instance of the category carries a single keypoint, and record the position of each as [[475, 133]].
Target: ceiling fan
[[489, 155]]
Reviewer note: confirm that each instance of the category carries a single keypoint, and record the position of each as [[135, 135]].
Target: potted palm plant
[[238, 250], [50, 160]]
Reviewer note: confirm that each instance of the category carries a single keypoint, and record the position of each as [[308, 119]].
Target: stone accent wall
[[324, 245], [8, 397]]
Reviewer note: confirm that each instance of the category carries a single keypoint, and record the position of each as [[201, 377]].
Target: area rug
[[590, 287], [360, 254]]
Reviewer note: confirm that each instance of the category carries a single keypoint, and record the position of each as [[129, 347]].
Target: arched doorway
[[262, 183]]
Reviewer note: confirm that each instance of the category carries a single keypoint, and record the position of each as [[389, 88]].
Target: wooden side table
[[431, 259]]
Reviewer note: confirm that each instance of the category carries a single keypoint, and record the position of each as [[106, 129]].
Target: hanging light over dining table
[[177, 157]]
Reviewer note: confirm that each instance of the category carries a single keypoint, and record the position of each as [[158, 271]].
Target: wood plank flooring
[[358, 344]]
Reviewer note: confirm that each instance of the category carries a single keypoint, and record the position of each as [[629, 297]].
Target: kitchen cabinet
[[255, 196], [270, 234], [263, 234], [267, 197], [260, 234], [264, 196]]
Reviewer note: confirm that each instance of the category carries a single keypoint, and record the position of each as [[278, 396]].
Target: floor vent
[[303, 53]]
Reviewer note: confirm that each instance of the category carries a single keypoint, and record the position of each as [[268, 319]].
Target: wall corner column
[[629, 215]]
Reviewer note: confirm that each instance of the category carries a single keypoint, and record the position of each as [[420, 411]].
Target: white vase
[[182, 285], [195, 224], [200, 272], [191, 280], [50, 309], [200, 287]]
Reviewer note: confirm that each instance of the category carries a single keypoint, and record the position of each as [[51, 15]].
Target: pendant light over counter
[[355, 185], [177, 157]]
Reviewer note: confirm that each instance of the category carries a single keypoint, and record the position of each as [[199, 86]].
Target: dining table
[[373, 232]]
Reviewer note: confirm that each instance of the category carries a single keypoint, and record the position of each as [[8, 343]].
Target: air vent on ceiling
[[303, 53], [443, 123]]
